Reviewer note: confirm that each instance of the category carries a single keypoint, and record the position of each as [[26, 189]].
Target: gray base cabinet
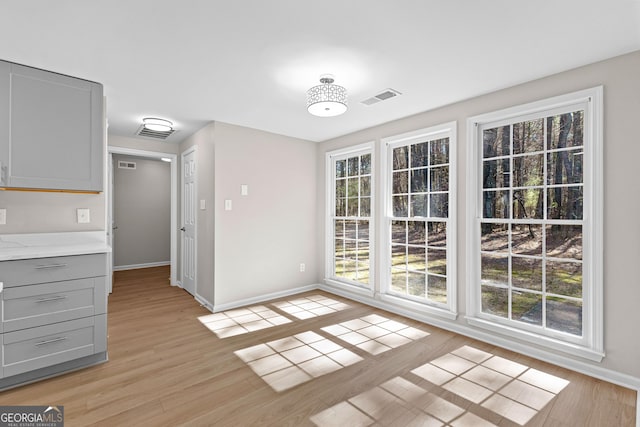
[[51, 130], [53, 316]]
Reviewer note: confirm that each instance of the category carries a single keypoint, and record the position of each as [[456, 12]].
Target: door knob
[[182, 229]]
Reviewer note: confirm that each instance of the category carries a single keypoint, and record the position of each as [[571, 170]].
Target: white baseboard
[[263, 298], [203, 302], [136, 266], [608, 375]]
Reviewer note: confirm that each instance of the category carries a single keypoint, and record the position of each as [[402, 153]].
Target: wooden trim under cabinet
[[44, 190]]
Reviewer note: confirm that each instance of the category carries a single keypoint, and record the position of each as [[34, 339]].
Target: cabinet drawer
[[55, 269], [36, 348], [37, 305]]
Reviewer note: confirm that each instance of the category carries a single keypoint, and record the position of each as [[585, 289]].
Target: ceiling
[[250, 62]]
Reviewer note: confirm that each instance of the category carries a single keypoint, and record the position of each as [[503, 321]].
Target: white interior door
[[189, 196]]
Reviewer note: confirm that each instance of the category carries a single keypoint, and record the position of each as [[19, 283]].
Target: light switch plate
[[203, 204], [227, 205], [244, 190], [83, 216], [3, 216]]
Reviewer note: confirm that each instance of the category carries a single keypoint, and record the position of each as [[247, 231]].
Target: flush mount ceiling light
[[327, 99], [157, 125]]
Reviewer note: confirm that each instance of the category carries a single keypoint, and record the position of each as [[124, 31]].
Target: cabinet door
[[5, 132], [56, 131]]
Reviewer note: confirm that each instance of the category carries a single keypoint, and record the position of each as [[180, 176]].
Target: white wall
[[256, 248], [143, 144], [622, 198], [48, 212], [43, 212], [260, 244], [205, 166]]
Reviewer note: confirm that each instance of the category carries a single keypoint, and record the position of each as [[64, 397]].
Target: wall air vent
[[382, 96], [122, 164], [154, 134]]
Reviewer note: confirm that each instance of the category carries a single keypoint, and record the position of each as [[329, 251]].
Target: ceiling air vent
[[122, 164], [154, 134], [382, 96]]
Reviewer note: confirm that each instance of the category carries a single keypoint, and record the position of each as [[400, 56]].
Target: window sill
[[353, 288], [421, 308], [530, 337]]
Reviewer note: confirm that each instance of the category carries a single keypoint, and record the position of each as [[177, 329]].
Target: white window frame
[[591, 344], [445, 130], [330, 279]]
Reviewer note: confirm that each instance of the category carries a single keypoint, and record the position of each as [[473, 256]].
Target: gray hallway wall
[[142, 212]]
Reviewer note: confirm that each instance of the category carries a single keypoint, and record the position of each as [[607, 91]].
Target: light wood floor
[[168, 368]]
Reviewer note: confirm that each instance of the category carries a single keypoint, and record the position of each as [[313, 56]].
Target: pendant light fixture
[[327, 99]]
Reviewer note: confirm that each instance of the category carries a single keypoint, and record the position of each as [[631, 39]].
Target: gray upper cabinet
[[51, 130]]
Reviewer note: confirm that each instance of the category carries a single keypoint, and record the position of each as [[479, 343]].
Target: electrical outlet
[[3, 216], [302, 267], [83, 216]]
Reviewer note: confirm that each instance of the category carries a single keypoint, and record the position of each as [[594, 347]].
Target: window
[[350, 204], [420, 207], [535, 209]]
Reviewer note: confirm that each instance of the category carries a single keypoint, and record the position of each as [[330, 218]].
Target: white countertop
[[45, 245]]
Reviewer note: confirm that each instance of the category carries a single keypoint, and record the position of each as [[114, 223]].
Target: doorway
[[173, 202]]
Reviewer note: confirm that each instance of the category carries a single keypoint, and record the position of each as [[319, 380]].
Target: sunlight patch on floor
[[397, 402], [290, 361], [311, 306], [243, 320], [509, 389], [375, 334]]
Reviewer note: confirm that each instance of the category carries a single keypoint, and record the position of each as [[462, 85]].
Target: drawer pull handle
[[56, 298], [51, 341], [43, 267]]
